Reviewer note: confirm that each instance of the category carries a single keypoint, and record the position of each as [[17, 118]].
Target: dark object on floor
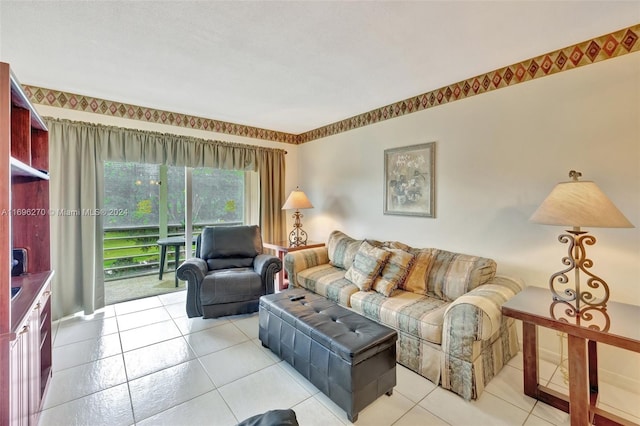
[[229, 273], [350, 358], [272, 418]]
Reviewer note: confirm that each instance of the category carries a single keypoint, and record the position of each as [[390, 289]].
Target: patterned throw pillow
[[416, 281], [368, 263], [342, 249], [394, 272]]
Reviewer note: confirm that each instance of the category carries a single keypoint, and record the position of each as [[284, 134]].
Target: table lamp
[[297, 200], [579, 203]]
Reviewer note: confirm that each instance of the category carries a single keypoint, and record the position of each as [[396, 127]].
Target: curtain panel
[[78, 151]]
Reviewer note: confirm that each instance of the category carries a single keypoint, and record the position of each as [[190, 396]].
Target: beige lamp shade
[[579, 203], [297, 200]]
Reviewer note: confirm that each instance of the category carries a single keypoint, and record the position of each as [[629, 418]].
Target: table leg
[[593, 366], [530, 359], [177, 259], [578, 381], [163, 257]]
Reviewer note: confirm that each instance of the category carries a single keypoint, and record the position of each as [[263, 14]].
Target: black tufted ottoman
[[350, 358]]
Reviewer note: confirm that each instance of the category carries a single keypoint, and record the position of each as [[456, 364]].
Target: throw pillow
[[367, 264], [394, 272], [342, 249], [416, 281]]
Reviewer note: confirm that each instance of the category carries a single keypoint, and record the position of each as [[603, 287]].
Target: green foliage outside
[[134, 189], [218, 195]]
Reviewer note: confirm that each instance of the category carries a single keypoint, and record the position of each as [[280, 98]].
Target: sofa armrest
[[267, 266], [300, 260], [477, 340], [193, 271], [477, 315]]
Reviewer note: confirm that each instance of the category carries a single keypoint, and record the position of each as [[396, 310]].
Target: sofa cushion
[[408, 312], [328, 281], [342, 249], [453, 274], [394, 272], [230, 285], [367, 264]]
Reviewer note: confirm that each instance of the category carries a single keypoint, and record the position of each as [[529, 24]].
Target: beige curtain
[[272, 196], [77, 154]]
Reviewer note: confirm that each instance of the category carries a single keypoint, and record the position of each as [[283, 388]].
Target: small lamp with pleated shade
[[297, 200]]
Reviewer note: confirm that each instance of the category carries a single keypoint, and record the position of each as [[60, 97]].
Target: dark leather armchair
[[229, 273]]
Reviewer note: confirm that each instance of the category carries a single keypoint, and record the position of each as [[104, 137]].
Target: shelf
[[20, 99], [18, 168]]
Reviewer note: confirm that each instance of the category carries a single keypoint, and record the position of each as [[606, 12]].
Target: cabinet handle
[[24, 330]]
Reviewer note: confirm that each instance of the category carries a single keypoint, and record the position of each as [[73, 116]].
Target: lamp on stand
[[297, 200], [579, 203]]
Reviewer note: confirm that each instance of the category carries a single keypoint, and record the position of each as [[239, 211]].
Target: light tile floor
[[145, 363]]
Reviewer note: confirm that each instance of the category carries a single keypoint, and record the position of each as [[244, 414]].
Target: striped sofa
[[446, 307]]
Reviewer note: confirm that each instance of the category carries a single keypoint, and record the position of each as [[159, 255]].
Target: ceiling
[[288, 66]]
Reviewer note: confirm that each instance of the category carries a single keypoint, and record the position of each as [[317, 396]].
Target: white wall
[[498, 156]]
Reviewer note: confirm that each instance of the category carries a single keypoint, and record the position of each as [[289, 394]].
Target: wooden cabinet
[[30, 361], [25, 319]]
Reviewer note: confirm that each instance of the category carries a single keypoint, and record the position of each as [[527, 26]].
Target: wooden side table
[[617, 325], [282, 248]]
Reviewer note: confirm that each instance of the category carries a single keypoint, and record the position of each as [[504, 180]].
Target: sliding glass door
[[150, 206]]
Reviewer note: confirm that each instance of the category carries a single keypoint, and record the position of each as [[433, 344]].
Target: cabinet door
[[19, 387], [33, 357]]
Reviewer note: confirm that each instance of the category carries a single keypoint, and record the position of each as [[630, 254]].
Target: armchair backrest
[[225, 247]]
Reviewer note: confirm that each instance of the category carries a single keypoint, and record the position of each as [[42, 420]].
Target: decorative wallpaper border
[[601, 48], [57, 98], [591, 51]]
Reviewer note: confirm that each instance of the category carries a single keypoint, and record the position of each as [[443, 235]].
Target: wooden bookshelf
[[25, 319]]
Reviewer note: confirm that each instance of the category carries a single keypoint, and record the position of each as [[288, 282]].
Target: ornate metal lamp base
[[577, 261], [297, 237]]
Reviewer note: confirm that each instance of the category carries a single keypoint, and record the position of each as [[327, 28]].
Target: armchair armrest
[[477, 315], [267, 266], [193, 271], [300, 260]]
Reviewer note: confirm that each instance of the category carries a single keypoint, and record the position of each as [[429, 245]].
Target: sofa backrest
[[453, 274], [437, 273], [225, 247], [447, 275]]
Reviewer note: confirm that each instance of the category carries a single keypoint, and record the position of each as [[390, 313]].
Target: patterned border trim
[[56, 98], [601, 48], [598, 49]]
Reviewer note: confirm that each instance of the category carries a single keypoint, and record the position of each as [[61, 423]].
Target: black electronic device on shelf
[[19, 262]]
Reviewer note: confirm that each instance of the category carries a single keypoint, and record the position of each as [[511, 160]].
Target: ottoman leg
[[389, 393], [352, 418]]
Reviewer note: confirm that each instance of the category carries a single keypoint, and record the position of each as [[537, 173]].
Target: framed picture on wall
[[409, 180]]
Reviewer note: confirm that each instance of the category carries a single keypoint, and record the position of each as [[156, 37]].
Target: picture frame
[[409, 180]]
